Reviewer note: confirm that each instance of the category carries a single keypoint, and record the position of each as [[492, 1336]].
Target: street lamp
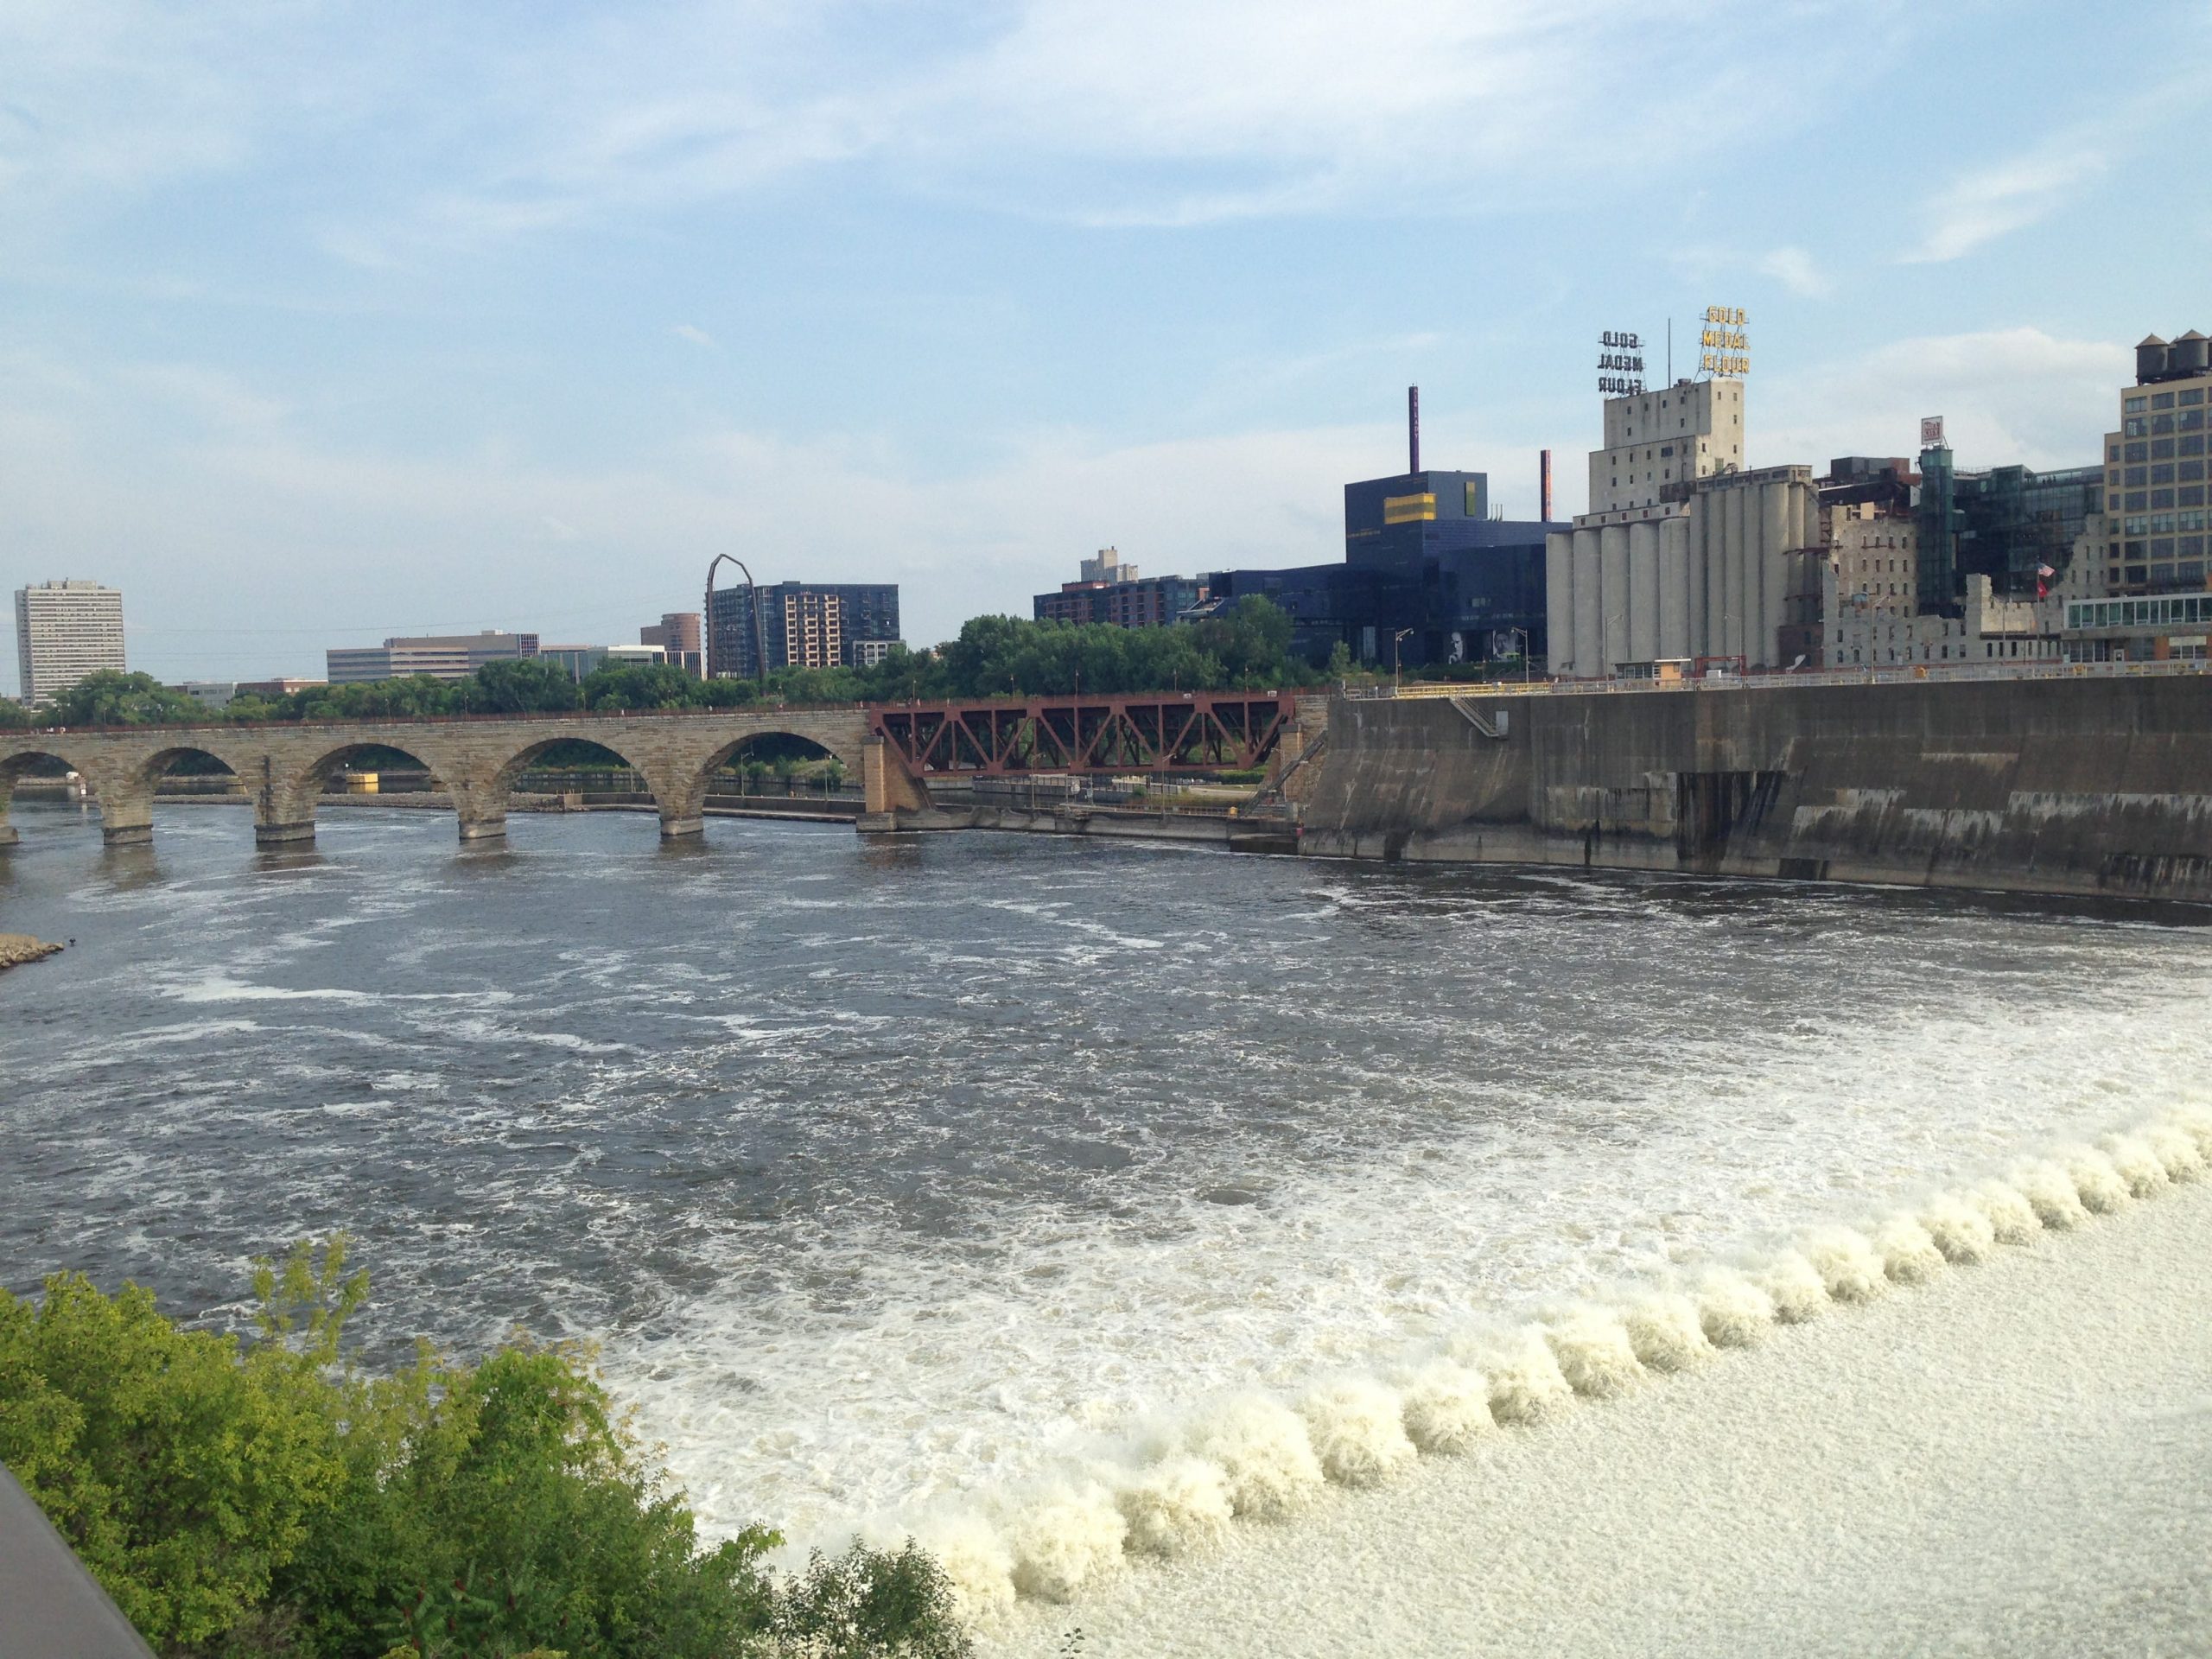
[[1397, 661], [707, 621]]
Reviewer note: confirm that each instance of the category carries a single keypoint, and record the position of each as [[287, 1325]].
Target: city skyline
[[451, 325]]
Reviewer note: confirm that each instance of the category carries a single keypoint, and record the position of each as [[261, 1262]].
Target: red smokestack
[[1413, 429], [1544, 488]]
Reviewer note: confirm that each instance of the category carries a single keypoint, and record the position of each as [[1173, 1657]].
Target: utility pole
[[1397, 662]]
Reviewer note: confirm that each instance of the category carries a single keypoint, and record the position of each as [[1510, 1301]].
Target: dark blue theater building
[[1423, 558]]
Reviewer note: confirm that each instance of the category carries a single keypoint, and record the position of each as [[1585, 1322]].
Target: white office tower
[[64, 631]]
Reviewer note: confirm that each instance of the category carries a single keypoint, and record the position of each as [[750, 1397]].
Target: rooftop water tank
[[2190, 354], [2150, 359]]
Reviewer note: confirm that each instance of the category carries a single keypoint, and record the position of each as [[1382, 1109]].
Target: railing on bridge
[[1899, 674], [1188, 731]]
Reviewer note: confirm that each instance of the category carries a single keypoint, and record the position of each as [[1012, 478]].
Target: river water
[[887, 1174]]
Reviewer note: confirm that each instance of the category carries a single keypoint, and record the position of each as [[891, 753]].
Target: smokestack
[[1544, 487], [1413, 429]]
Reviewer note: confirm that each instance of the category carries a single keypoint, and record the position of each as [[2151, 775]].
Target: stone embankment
[[16, 949]]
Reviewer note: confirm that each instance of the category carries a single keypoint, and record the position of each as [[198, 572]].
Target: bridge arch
[[285, 809], [23, 762], [687, 800]]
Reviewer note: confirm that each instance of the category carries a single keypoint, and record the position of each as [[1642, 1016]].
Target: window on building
[[2163, 449], [2163, 473], [2161, 423], [2194, 395], [2162, 498], [2138, 500], [2139, 452], [2162, 400], [2192, 445]]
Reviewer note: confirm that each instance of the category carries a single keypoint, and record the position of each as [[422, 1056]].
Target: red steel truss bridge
[[1184, 731]]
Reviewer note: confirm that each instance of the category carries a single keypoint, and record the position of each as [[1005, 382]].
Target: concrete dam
[[2094, 786]]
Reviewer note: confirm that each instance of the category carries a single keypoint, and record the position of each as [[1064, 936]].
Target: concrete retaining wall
[[2063, 786]]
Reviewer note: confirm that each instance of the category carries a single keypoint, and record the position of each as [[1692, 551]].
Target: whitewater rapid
[[921, 1187]]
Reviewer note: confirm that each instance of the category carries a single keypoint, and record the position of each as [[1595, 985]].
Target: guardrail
[[1914, 674]]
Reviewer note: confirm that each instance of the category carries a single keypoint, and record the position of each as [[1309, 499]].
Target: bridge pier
[[483, 826], [292, 835], [125, 835], [8, 837], [681, 827]]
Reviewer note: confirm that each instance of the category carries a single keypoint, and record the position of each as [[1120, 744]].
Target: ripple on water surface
[[887, 1172]]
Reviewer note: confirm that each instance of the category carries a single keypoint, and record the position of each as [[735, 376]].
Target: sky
[[324, 321]]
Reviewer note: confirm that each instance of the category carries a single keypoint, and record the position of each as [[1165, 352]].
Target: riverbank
[[18, 949], [2012, 1460]]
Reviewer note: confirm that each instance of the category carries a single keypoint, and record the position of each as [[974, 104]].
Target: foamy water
[[1014, 1190]]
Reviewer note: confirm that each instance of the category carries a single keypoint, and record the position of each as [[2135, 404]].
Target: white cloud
[[1096, 110], [1981, 206], [1795, 269], [2011, 396], [695, 334]]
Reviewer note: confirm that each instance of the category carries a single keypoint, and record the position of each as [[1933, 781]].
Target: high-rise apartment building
[[438, 656], [813, 628], [64, 631], [795, 625]]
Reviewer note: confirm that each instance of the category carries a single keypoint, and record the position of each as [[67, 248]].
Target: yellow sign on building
[[1408, 509], [1725, 344]]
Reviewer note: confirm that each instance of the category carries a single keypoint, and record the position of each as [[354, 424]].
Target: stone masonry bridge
[[476, 760]]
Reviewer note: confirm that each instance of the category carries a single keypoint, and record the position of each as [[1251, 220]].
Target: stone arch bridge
[[476, 760]]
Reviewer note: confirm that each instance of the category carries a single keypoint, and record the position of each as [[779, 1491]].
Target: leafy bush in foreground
[[268, 1499]]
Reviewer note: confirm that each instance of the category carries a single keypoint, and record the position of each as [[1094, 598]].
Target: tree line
[[1247, 647]]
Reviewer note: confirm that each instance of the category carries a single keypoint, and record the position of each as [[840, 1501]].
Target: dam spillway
[[2090, 785]]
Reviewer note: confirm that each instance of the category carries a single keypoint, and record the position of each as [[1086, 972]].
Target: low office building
[[677, 634], [438, 657], [64, 631], [580, 662], [2166, 628], [1128, 601], [2008, 524]]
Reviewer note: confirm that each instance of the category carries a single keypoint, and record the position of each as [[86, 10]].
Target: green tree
[[112, 697], [184, 1472], [268, 1497], [523, 686], [643, 685]]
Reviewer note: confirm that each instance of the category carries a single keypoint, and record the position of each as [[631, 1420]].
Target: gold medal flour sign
[[1724, 348], [1620, 364]]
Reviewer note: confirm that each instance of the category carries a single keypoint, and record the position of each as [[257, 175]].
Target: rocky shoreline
[[16, 949]]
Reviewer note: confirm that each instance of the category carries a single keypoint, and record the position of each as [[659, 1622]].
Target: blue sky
[[323, 321]]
